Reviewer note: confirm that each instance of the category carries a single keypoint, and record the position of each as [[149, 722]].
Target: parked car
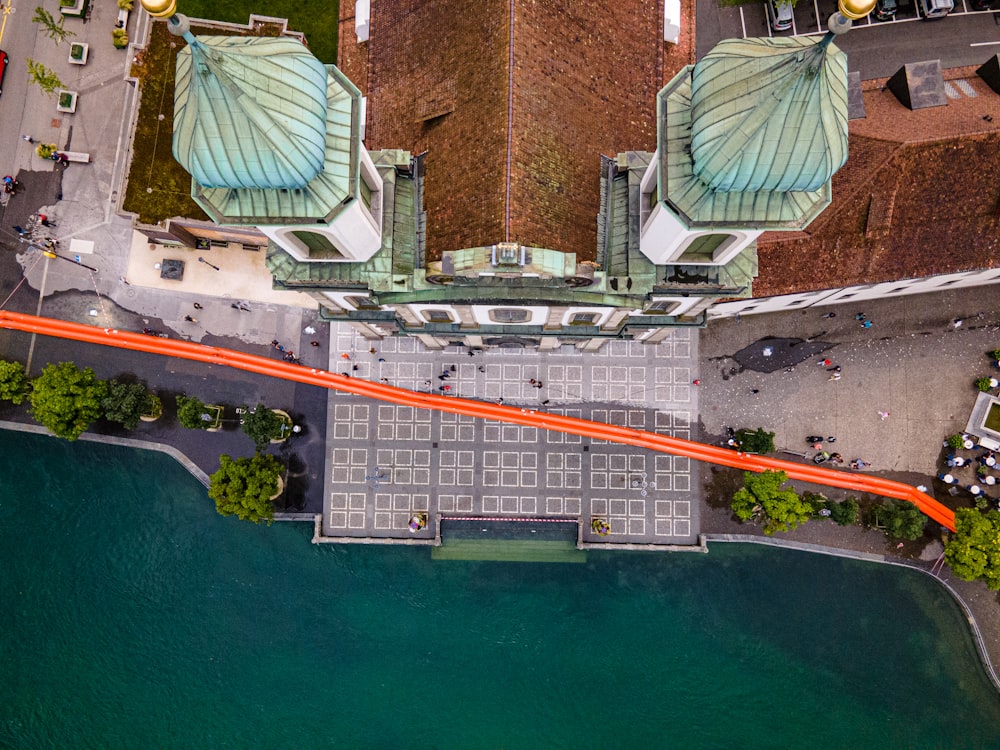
[[931, 9], [885, 10], [781, 14], [3, 67]]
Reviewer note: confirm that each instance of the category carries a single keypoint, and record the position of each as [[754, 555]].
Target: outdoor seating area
[[974, 469]]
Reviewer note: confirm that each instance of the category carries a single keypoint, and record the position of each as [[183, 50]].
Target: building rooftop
[[249, 112], [918, 196], [514, 104]]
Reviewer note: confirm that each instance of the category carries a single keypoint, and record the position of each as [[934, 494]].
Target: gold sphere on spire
[[853, 9], [160, 8]]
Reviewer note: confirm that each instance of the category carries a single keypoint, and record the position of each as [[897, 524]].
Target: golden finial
[[160, 8], [853, 9]]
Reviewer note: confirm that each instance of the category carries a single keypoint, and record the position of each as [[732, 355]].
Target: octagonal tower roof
[[250, 112]]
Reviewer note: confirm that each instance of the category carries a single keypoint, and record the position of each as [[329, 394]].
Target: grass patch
[[158, 187], [992, 421], [317, 19]]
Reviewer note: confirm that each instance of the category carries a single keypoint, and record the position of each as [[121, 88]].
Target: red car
[[3, 67]]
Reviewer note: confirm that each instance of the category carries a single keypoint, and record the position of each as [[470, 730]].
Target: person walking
[[189, 319], [197, 306], [27, 138]]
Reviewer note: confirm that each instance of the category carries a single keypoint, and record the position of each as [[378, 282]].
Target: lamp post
[[202, 260]]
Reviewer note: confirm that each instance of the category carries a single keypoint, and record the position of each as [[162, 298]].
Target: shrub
[[983, 384], [955, 441], [757, 441], [119, 37], [45, 150], [65, 99], [125, 4], [995, 355], [76, 51]]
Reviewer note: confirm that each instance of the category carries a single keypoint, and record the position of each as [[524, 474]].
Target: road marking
[[7, 10]]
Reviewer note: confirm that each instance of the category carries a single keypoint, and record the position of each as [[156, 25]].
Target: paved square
[[388, 462]]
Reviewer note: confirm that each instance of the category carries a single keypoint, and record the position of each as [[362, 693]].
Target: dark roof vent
[[919, 85], [989, 71]]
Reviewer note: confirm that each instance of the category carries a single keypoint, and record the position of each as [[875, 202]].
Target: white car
[[781, 15]]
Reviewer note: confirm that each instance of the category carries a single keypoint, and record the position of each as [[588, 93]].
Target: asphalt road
[[876, 50]]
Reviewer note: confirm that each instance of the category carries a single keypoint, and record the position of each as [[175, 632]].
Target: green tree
[[126, 402], [973, 551], [45, 79], [755, 441], [13, 382], [50, 27], [900, 519], [243, 487], [762, 497], [192, 413], [66, 399], [261, 425], [844, 513]]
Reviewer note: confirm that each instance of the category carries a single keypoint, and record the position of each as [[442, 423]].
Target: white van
[[930, 9]]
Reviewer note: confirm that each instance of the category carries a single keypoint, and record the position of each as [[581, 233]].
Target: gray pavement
[[914, 363], [389, 462]]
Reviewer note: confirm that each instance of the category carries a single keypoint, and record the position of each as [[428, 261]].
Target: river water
[[134, 616]]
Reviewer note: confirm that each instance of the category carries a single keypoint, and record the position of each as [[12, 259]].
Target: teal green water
[[135, 617]]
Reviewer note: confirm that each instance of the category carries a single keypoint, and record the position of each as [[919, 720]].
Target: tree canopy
[[13, 382], [763, 498], [191, 412], [900, 519], [66, 399], [973, 551], [262, 425], [52, 28], [126, 402], [243, 487], [755, 441], [45, 78]]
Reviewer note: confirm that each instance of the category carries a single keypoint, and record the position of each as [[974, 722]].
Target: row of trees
[[67, 400], [972, 552], [765, 500]]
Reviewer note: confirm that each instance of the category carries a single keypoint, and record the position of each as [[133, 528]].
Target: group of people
[[824, 456]]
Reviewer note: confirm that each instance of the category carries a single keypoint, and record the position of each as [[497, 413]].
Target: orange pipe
[[481, 409]]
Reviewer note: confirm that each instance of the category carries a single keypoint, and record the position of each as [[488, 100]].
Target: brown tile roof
[[919, 196], [579, 80]]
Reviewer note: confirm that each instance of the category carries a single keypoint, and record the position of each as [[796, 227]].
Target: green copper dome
[[769, 114], [249, 112]]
